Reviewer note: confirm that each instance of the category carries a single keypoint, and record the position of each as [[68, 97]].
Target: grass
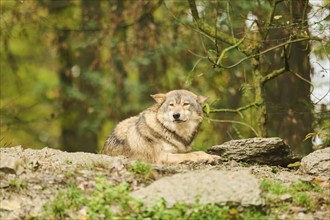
[[141, 168], [105, 201], [274, 187], [63, 203], [301, 192], [278, 188], [143, 172], [17, 184]]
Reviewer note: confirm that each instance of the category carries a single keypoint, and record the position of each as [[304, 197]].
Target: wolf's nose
[[176, 116]]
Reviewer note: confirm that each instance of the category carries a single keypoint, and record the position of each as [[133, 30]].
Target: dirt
[[30, 178]]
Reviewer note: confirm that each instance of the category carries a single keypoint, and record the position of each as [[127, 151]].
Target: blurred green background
[[72, 69]]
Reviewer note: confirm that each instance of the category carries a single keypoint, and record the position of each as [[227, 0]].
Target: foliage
[[105, 201], [70, 70]]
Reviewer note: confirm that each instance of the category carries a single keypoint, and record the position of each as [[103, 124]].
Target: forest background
[[72, 69]]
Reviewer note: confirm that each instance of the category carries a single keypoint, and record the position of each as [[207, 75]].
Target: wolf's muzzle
[[176, 116]]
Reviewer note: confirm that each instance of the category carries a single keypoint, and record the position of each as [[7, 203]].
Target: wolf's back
[[116, 143]]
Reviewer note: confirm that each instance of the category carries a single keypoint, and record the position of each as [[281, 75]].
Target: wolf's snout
[[176, 116]]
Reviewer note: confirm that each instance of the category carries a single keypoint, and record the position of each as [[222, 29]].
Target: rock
[[285, 197], [270, 151], [81, 159], [10, 205], [14, 158], [210, 186], [11, 163], [317, 163]]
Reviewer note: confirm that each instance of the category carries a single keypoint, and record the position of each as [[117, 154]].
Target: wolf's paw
[[202, 157]]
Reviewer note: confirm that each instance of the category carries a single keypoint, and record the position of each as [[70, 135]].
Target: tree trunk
[[79, 127], [288, 95]]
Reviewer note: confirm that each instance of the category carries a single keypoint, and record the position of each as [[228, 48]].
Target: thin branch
[[320, 99], [228, 49], [209, 30], [268, 50], [187, 25], [196, 55], [226, 110], [218, 63], [230, 23], [270, 18], [291, 14], [305, 11], [273, 74], [238, 110], [235, 122], [302, 78]]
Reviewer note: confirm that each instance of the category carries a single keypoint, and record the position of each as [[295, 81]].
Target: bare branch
[[302, 78]]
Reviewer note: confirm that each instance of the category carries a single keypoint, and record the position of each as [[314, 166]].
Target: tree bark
[[288, 95]]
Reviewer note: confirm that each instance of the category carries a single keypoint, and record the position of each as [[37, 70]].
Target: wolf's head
[[179, 106]]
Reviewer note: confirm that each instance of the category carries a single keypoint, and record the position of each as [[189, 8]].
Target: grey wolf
[[162, 133]]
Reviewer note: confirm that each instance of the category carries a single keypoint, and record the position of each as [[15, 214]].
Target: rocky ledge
[[30, 179]]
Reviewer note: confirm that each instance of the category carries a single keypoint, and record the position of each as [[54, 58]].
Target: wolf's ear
[[159, 98], [201, 99]]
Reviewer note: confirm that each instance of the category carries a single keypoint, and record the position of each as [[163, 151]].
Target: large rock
[[15, 157], [210, 186], [270, 151], [317, 163]]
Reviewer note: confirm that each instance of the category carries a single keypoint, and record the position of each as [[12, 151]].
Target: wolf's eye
[[186, 103], [171, 104]]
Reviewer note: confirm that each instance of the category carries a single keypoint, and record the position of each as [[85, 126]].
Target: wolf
[[163, 133]]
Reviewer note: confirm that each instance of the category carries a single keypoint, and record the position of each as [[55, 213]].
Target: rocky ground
[[31, 179]]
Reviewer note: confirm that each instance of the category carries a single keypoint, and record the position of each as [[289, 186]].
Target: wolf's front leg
[[197, 156]]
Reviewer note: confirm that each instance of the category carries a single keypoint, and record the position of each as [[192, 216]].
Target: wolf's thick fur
[[162, 133]]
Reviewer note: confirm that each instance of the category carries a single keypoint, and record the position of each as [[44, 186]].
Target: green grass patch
[[17, 184], [274, 187], [64, 202], [105, 201], [199, 212], [278, 188], [302, 194], [141, 168]]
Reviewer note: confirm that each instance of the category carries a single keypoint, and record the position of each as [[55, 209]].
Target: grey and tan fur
[[162, 133]]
